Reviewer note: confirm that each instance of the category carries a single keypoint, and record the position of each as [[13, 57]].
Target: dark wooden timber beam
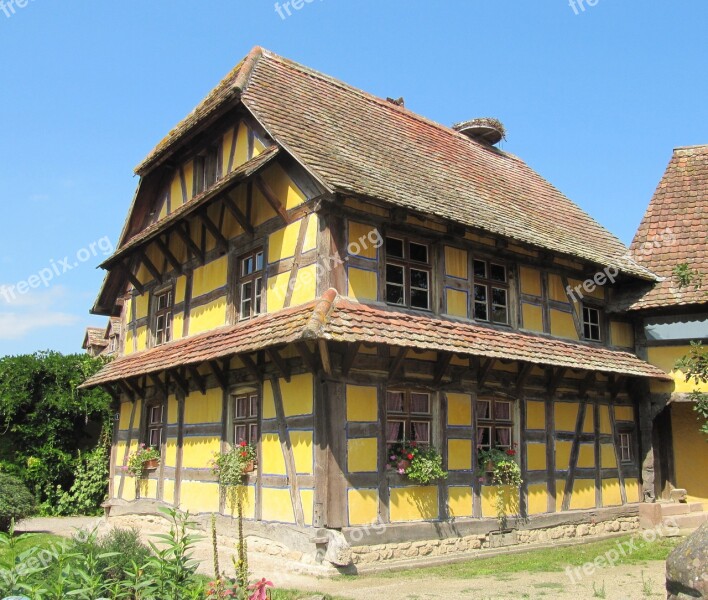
[[214, 230], [280, 363], [251, 366], [126, 389], [237, 214], [324, 356], [171, 258], [523, 375], [187, 239], [441, 367], [484, 370], [180, 381], [220, 373], [616, 383], [350, 357], [132, 278], [137, 389], [158, 383], [397, 363], [272, 199], [586, 383], [197, 376], [554, 379], [307, 356], [150, 265], [111, 391]]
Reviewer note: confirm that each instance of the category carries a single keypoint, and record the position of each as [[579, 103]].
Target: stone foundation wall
[[365, 555]]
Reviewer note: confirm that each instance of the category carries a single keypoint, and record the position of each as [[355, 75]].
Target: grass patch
[[39, 540], [547, 560]]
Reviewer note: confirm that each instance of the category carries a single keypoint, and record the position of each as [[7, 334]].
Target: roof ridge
[[320, 314], [694, 147]]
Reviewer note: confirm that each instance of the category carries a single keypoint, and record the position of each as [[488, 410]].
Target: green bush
[[115, 551], [16, 501]]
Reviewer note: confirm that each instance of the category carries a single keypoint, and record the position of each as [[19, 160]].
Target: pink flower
[[401, 471]]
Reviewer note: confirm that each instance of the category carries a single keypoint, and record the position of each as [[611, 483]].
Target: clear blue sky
[[595, 101]]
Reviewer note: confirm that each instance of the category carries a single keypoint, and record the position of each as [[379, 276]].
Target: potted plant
[[422, 464], [498, 467], [232, 466], [142, 460]]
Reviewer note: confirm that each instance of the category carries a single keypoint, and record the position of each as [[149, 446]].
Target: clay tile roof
[[674, 230], [339, 319], [356, 143], [94, 337]]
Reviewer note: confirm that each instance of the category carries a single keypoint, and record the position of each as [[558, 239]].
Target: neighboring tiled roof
[[342, 320], [675, 230], [359, 144], [94, 337]]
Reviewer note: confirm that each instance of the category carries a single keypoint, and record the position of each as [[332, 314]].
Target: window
[[591, 323], [625, 446], [206, 170], [407, 273], [154, 430], [163, 318], [246, 418], [491, 292], [408, 417], [495, 424], [251, 285]]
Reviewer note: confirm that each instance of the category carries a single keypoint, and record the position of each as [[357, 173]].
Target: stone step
[[677, 508], [687, 521]]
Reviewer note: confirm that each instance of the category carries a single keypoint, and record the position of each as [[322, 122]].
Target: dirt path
[[637, 582]]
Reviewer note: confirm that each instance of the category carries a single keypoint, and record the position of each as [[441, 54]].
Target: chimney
[[486, 130]]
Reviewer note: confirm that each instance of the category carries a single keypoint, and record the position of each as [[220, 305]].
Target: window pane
[[241, 407], [154, 437], [480, 293], [480, 311], [419, 299], [418, 252], [498, 296], [420, 432], [497, 272], [419, 279], [484, 409], [156, 414], [500, 315], [259, 294], [254, 406], [480, 269], [484, 436], [239, 433], [395, 431], [394, 247], [394, 274], [394, 401], [420, 403], [247, 266], [394, 294], [253, 433], [502, 411], [503, 435], [259, 261]]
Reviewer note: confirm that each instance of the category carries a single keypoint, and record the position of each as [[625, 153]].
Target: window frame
[[408, 417], [167, 312], [627, 434], [251, 421], [408, 265], [257, 299], [585, 324], [154, 426], [490, 285], [493, 423]]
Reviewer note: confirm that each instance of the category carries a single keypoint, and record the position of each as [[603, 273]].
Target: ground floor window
[[154, 428], [246, 411], [495, 424], [408, 416]]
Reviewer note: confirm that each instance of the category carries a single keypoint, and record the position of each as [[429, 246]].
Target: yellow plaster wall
[[307, 500], [589, 421], [172, 409], [537, 502], [297, 396], [530, 281], [562, 325], [241, 153], [586, 456], [605, 426], [459, 455], [631, 486], [621, 334], [199, 496], [363, 285], [304, 288], [283, 187], [168, 491], [566, 415], [203, 408], [171, 452], [198, 451], [624, 413], [535, 415], [209, 277], [456, 262], [665, 358], [283, 242], [459, 410], [560, 493], [126, 408], [362, 404], [363, 506], [177, 325], [128, 488], [208, 316], [180, 287], [489, 499], [690, 452], [358, 239], [556, 291], [456, 303], [460, 501], [414, 504], [141, 306], [536, 457], [563, 455], [362, 454], [301, 442], [611, 495], [141, 339], [248, 496], [583, 494], [277, 505], [262, 210], [607, 456], [271, 460], [532, 316]]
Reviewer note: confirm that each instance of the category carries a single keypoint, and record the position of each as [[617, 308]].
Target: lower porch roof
[[339, 319]]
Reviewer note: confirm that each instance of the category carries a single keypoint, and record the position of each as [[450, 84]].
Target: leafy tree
[[46, 421], [16, 502]]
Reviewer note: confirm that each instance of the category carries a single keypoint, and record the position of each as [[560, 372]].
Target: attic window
[[407, 273], [591, 324]]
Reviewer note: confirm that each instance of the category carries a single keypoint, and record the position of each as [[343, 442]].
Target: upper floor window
[[246, 418], [407, 273], [408, 417], [591, 324], [625, 446], [206, 170], [251, 285], [154, 428], [163, 317], [495, 424], [491, 292]]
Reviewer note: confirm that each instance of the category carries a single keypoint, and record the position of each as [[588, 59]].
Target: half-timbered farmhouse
[[324, 273]]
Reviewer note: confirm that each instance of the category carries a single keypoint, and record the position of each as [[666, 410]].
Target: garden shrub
[[115, 551], [16, 501]]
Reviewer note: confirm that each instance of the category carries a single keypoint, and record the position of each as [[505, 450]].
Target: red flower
[[244, 454], [414, 444], [511, 452], [410, 456], [243, 443]]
